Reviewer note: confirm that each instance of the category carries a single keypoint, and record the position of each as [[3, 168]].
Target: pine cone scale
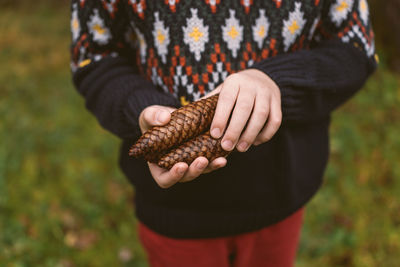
[[184, 138], [186, 122], [203, 145]]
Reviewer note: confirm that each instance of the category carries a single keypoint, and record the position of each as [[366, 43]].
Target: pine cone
[[186, 123], [202, 145]]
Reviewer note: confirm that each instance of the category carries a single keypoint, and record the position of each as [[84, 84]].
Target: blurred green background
[[64, 202]]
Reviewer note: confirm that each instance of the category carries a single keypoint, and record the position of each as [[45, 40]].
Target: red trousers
[[275, 245]]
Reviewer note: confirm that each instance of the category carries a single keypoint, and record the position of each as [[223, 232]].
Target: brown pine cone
[[202, 145], [186, 123]]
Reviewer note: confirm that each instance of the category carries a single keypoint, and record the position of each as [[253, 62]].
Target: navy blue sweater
[[319, 53]]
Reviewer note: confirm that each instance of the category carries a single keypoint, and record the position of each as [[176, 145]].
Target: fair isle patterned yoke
[[189, 47]]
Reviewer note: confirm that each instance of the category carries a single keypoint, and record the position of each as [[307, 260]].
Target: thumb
[[154, 116]]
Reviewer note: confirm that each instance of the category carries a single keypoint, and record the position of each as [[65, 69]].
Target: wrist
[[268, 79]]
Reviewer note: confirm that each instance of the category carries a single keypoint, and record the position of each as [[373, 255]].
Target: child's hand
[[256, 103], [180, 172]]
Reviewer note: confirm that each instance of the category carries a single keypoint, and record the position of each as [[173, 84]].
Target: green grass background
[[64, 202]]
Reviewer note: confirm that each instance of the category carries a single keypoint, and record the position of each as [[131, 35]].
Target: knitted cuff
[[287, 71], [311, 80]]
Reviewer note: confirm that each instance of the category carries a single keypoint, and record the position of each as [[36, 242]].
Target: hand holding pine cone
[[183, 138], [201, 146]]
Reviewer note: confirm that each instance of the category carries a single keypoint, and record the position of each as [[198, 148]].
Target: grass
[[64, 202]]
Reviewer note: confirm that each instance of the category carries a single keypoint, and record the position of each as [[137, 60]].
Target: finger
[[165, 178], [240, 116], [215, 164], [213, 92], [273, 123], [195, 169], [256, 123], [154, 116], [226, 101]]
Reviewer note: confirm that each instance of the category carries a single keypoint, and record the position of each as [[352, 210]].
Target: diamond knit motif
[[340, 10], [293, 26], [260, 29], [363, 10], [161, 37], [232, 33], [101, 34], [75, 25], [195, 34]]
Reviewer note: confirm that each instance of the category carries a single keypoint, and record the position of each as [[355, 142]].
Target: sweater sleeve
[[314, 82], [103, 56]]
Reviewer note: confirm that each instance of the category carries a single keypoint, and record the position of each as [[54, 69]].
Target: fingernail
[[201, 165], [227, 145], [161, 116], [181, 170], [215, 133], [243, 146]]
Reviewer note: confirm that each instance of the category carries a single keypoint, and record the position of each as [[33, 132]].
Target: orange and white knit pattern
[[189, 47]]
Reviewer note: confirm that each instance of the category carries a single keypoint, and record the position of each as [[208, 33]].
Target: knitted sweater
[[129, 54]]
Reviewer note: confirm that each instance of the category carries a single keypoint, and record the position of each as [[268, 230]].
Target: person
[[280, 67]]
